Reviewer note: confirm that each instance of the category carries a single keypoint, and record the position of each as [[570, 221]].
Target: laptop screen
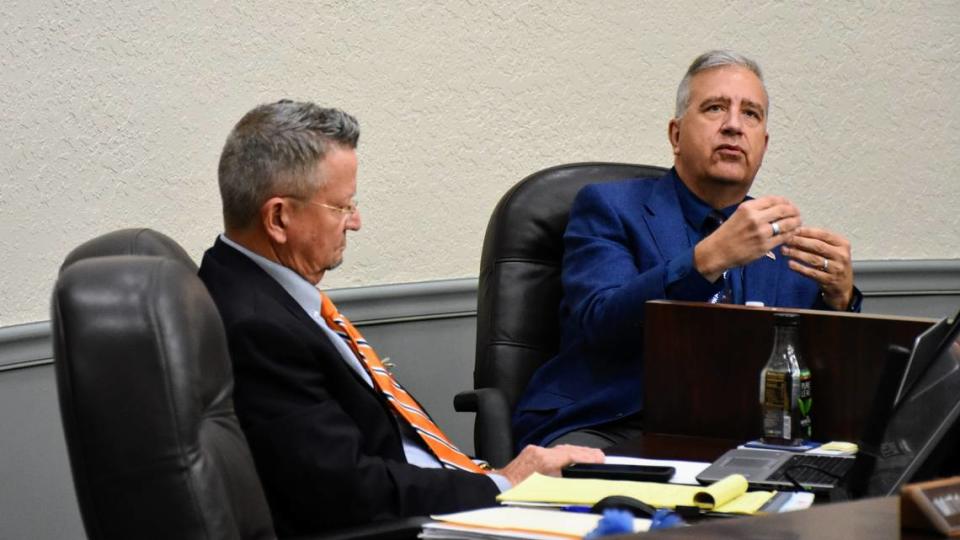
[[925, 349], [926, 412]]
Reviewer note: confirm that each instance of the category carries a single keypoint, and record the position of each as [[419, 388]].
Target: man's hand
[[824, 257], [548, 461], [755, 228]]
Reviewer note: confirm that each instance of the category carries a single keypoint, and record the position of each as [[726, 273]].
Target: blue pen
[[576, 508]]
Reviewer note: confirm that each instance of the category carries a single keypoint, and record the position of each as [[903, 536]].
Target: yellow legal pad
[[728, 496]]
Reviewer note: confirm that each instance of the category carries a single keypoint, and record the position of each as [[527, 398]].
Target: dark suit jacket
[[326, 445], [616, 248]]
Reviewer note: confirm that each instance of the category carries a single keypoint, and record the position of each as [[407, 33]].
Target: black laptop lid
[[925, 349], [924, 415]]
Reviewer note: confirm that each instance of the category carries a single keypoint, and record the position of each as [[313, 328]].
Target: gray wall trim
[[25, 345], [29, 344], [908, 277], [382, 304]]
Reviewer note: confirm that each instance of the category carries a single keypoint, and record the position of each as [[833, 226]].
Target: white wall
[[112, 115]]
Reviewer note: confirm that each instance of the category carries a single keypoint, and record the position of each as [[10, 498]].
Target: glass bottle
[[785, 398]]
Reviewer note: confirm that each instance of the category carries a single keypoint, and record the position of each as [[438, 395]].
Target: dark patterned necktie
[[711, 223]]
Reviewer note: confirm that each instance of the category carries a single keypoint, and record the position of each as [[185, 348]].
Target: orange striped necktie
[[403, 403]]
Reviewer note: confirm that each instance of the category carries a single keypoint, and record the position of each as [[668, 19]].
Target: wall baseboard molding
[[908, 277], [25, 345], [28, 345], [384, 304]]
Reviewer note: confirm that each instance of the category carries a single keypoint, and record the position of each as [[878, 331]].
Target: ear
[[673, 133], [274, 218]]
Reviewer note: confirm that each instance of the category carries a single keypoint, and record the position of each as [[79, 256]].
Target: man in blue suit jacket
[[694, 235]]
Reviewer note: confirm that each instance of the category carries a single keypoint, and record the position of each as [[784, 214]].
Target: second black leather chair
[[519, 293]]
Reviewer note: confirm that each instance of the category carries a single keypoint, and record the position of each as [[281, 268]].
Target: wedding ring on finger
[[776, 227], [826, 264]]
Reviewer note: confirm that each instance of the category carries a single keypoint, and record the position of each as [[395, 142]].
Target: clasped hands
[[760, 225]]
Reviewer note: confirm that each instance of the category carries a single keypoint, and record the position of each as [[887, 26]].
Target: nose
[[732, 123], [353, 221]]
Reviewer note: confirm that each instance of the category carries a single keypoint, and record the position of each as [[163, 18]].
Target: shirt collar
[[694, 209], [305, 293]]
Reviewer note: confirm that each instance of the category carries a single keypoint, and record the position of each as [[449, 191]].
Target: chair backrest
[[145, 387], [131, 242], [519, 294]]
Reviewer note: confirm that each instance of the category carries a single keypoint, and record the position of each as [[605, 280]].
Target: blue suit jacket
[[618, 242]]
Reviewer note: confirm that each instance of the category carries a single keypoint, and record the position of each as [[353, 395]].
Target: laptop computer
[[891, 452], [923, 434], [925, 347]]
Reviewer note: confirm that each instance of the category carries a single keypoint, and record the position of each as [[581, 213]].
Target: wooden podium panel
[[702, 366]]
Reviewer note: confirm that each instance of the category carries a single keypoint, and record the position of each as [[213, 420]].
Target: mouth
[[730, 150]]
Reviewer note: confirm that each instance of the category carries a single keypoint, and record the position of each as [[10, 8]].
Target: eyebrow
[[726, 100]]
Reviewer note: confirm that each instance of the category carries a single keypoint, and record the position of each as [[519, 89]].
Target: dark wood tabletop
[[876, 519], [702, 364], [667, 446]]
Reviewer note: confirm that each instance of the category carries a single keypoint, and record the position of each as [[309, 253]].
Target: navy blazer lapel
[[664, 218], [252, 273]]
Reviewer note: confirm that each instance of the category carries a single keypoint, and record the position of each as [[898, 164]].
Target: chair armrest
[[396, 529], [466, 401], [492, 431]]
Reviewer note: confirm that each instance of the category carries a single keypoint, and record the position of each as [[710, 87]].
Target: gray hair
[[270, 151], [712, 60]]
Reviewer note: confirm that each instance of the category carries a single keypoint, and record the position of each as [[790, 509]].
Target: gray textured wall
[[112, 115]]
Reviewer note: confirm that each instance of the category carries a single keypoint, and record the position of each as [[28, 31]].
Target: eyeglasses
[[344, 211], [347, 210]]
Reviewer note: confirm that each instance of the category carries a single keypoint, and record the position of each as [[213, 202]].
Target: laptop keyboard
[[807, 469]]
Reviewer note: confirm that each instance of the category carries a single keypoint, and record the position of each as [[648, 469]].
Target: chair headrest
[[130, 242], [530, 219]]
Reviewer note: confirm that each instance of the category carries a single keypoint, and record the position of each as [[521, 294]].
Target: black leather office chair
[[145, 386], [144, 379], [518, 300]]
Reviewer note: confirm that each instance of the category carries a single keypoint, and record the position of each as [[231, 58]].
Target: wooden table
[[666, 446], [876, 519], [702, 366]]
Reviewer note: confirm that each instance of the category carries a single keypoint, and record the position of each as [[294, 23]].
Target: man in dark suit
[[330, 446], [692, 235]]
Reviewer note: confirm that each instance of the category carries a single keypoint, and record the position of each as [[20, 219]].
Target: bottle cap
[[786, 319]]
